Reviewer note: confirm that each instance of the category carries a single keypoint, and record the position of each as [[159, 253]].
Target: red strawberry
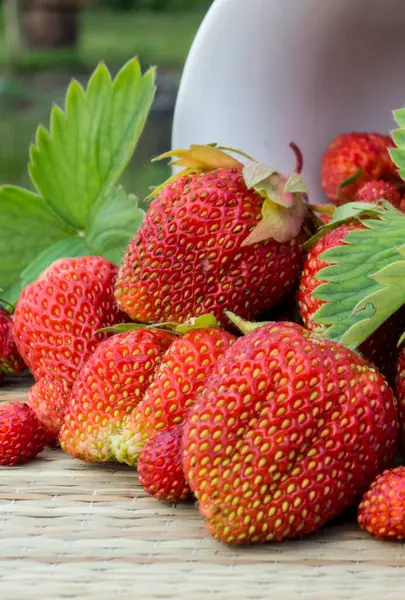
[[290, 430], [22, 436], [382, 509], [350, 152], [373, 191], [160, 466], [108, 388], [209, 243], [400, 394], [380, 348], [57, 316], [11, 362], [49, 399], [182, 375]]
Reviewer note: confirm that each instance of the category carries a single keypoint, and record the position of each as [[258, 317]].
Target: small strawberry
[[373, 191], [358, 153], [22, 436], [181, 376], [380, 348], [49, 399], [160, 466], [11, 362], [290, 430], [382, 509], [57, 316], [108, 388], [218, 235]]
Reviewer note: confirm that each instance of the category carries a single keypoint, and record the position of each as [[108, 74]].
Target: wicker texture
[[86, 532]]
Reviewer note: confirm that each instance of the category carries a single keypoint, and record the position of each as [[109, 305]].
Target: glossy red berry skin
[[291, 429], [160, 466], [22, 437], [382, 508], [187, 258], [57, 317]]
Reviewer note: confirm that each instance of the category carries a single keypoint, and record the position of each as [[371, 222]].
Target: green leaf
[[365, 279], [27, 228], [89, 144], [112, 223], [398, 135], [399, 116], [351, 210]]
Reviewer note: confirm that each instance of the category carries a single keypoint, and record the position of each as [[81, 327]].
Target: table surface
[[78, 531]]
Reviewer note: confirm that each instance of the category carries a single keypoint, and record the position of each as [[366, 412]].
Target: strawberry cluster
[[271, 427]]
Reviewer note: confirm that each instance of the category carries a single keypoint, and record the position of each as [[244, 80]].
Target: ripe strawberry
[[382, 509], [22, 436], [400, 394], [211, 241], [160, 466], [108, 388], [373, 191], [49, 400], [380, 348], [350, 152], [57, 316], [11, 362], [290, 430], [181, 376]]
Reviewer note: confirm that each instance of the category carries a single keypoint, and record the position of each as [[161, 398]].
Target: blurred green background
[[44, 43]]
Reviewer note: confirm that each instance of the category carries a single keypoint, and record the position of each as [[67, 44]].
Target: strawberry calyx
[[196, 159], [205, 321], [285, 198], [243, 325], [285, 203]]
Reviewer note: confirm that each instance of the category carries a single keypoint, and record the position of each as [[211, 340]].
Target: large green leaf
[[112, 223], [75, 167], [27, 227], [89, 144], [365, 282]]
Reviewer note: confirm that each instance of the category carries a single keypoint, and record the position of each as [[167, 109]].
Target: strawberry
[[373, 191], [380, 348], [382, 509], [217, 235], [108, 388], [400, 394], [181, 376], [22, 436], [49, 399], [57, 316], [160, 466], [11, 362], [290, 430], [358, 155]]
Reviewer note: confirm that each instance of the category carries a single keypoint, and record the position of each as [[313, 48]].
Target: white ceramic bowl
[[262, 73]]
